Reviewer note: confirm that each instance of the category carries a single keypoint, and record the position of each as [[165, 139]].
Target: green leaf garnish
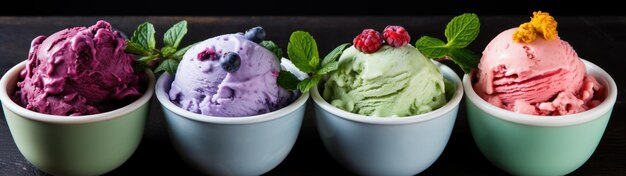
[[175, 34], [135, 48], [460, 32], [465, 58], [314, 62], [269, 45], [302, 51], [331, 66], [287, 80], [335, 53], [168, 51], [144, 36], [168, 65], [178, 55], [433, 46], [143, 44], [308, 83]]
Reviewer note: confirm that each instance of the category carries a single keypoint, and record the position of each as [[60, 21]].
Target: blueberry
[[230, 62], [256, 34]]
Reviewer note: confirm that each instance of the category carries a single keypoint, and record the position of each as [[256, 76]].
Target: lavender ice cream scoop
[[228, 76]]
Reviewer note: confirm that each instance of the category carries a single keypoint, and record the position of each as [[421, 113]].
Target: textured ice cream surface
[[544, 77], [78, 71], [394, 82], [203, 86]]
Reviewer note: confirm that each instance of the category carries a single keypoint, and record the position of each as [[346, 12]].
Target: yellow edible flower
[[525, 33], [544, 24], [540, 24]]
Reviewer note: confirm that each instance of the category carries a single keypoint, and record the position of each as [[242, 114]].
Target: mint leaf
[[269, 45], [175, 34], [169, 65], [462, 30], [314, 62], [432, 47], [178, 55], [308, 83], [168, 51], [333, 55], [301, 49], [146, 59], [287, 80], [328, 67], [143, 43], [135, 48], [465, 58], [142, 63], [144, 36]]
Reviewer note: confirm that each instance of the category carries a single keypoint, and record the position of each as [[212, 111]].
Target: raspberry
[[369, 41], [208, 53], [396, 36]]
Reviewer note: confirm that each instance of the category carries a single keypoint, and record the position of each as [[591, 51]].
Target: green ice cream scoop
[[392, 82]]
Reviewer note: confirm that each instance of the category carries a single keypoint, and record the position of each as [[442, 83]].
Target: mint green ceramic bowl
[[77, 145], [538, 145]]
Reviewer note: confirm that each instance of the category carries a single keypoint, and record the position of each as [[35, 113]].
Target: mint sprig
[[287, 80], [143, 44], [270, 45], [460, 32], [303, 53]]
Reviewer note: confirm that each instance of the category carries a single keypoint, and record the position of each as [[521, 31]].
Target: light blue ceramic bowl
[[538, 145], [387, 146], [249, 145]]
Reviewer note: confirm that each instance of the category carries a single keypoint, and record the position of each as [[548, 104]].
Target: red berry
[[208, 53], [396, 36], [369, 41]]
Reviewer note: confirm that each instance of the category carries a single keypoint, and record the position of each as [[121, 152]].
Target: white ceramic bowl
[[249, 145], [387, 146]]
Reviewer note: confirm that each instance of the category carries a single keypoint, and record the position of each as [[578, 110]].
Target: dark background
[[596, 29], [600, 39], [307, 7]]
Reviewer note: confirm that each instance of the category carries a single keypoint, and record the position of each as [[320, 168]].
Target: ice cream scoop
[[78, 71], [543, 77], [393, 81], [229, 76]]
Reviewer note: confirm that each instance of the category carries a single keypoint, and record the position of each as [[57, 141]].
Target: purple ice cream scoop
[[228, 76], [78, 71]]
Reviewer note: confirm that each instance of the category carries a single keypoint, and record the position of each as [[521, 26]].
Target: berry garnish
[[230, 62], [369, 41], [396, 36], [256, 34], [207, 54]]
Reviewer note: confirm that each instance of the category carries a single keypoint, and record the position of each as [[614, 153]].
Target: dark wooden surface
[[601, 40]]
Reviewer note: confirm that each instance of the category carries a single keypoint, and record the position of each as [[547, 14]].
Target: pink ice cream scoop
[[78, 71], [544, 77], [228, 76]]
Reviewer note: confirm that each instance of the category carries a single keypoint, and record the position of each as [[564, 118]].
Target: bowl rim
[[437, 113], [549, 121], [10, 78], [163, 97]]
